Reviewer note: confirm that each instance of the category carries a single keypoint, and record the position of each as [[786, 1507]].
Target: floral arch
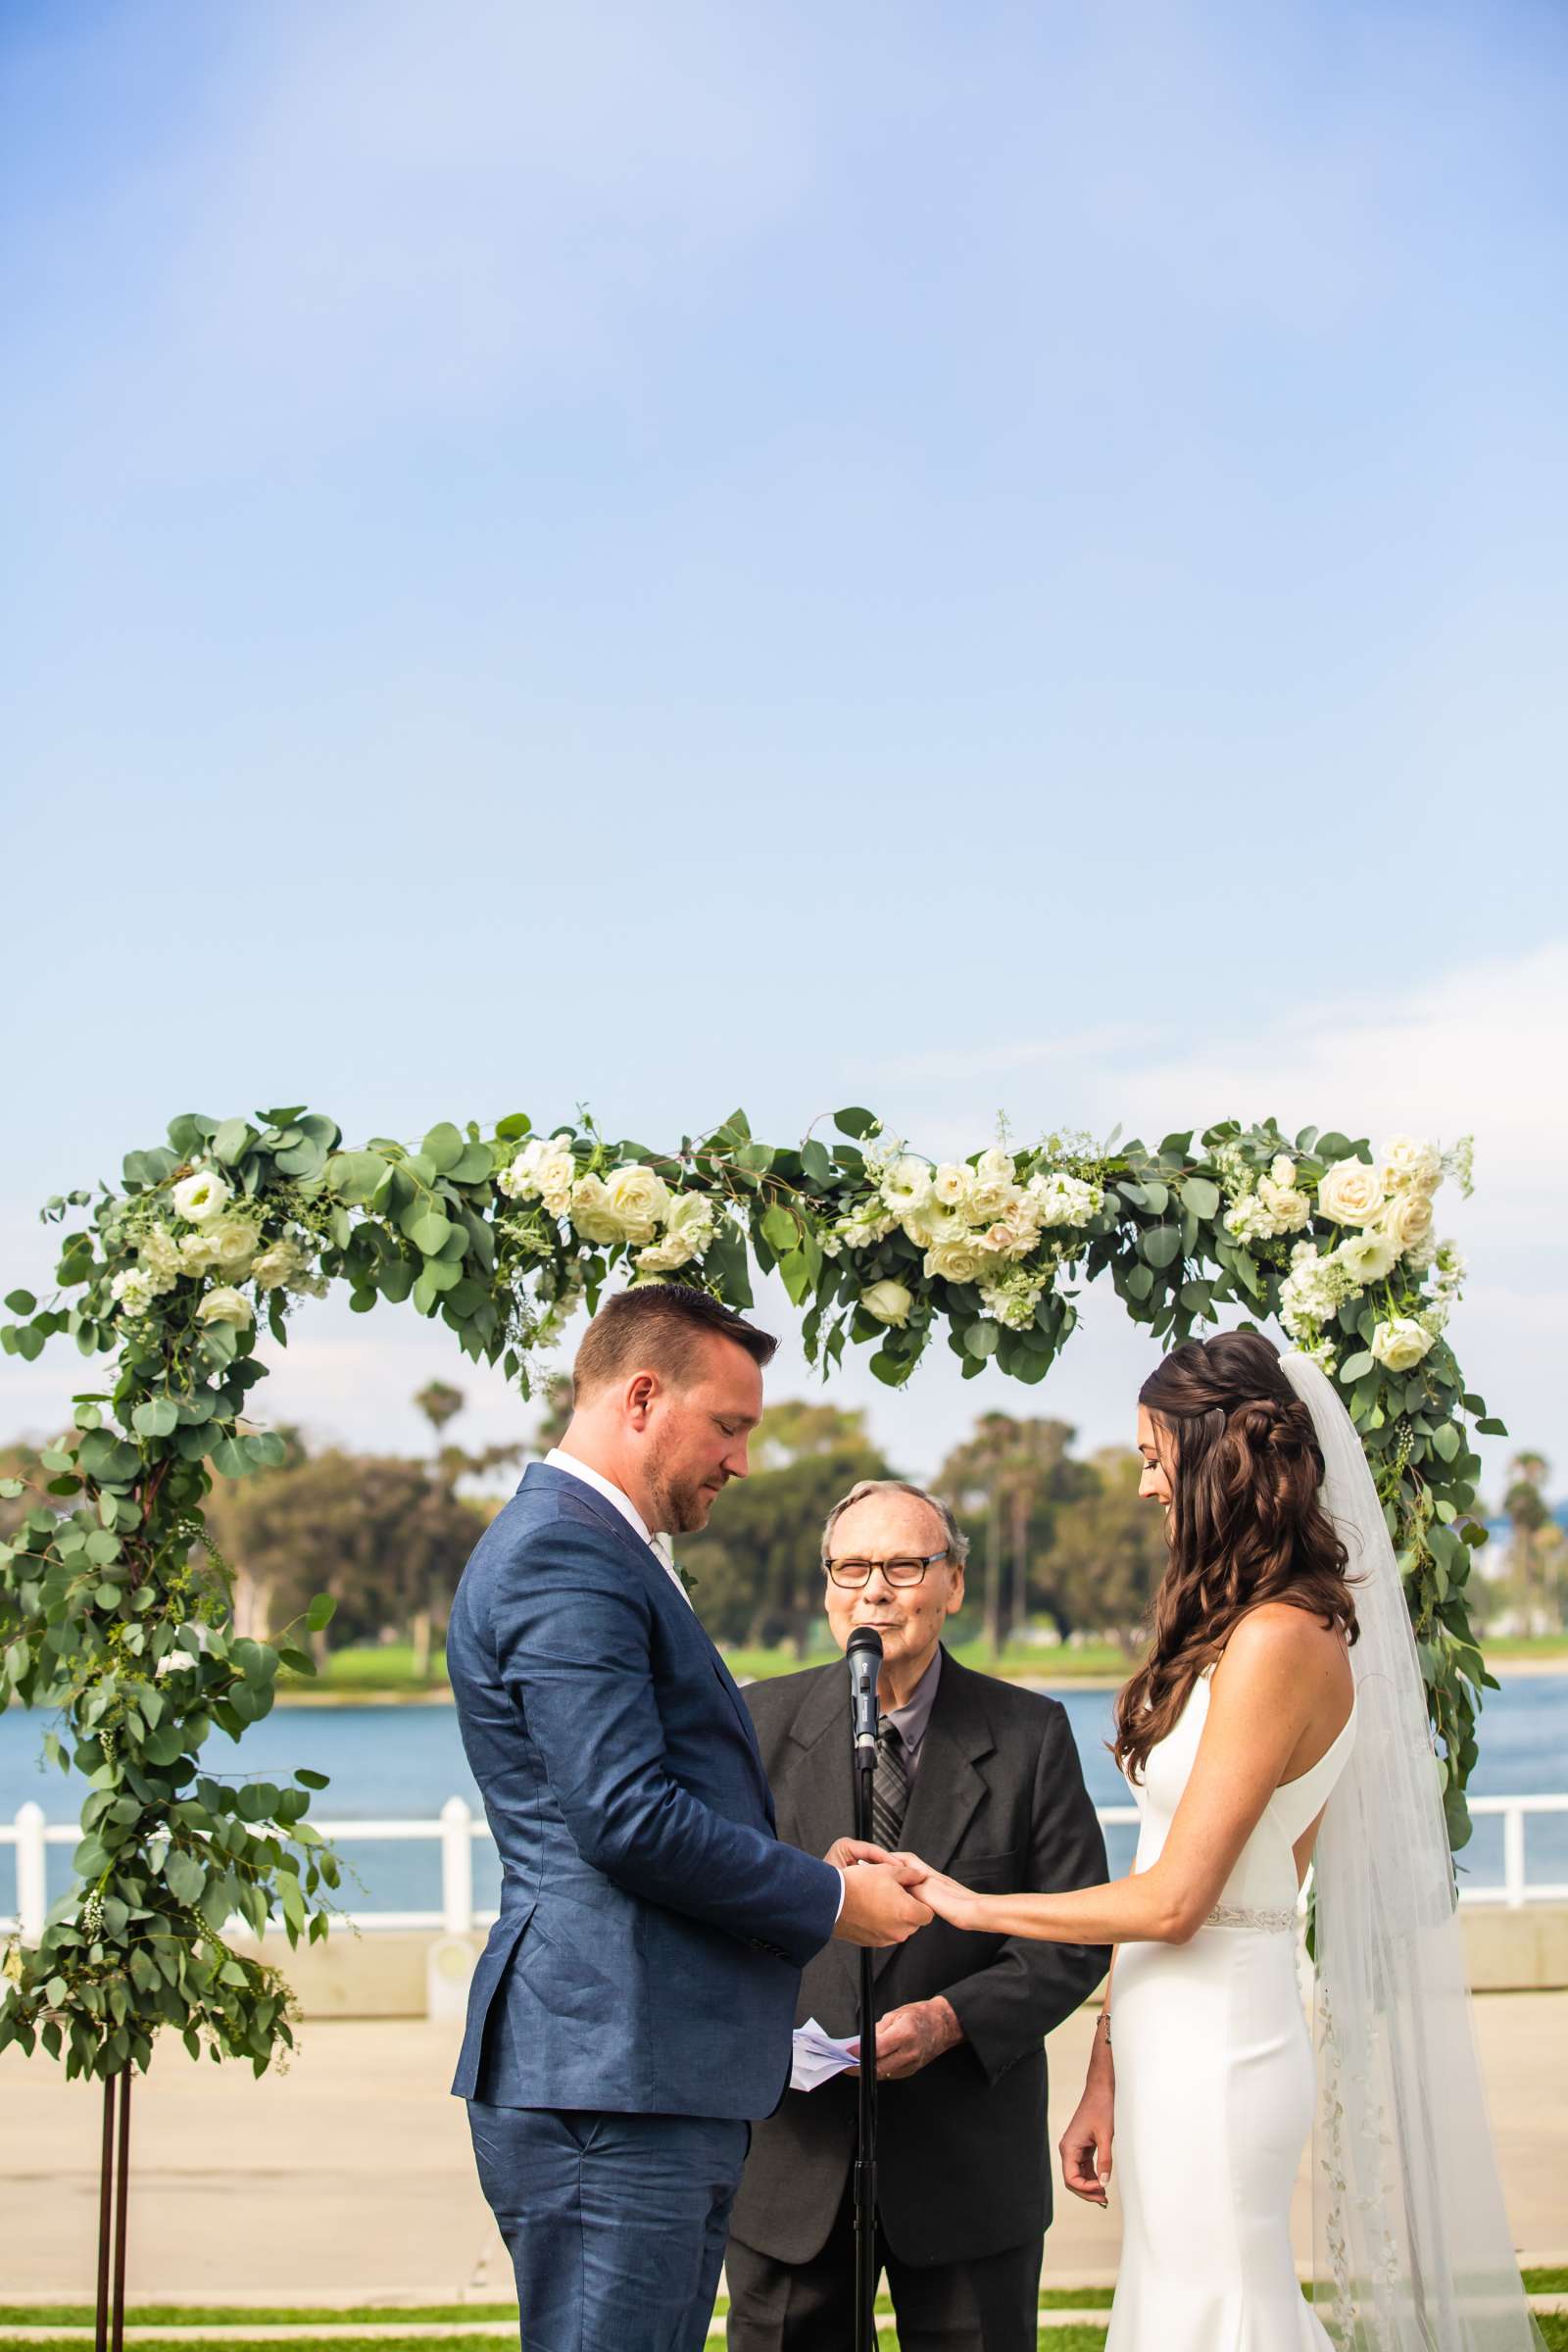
[[115, 1608]]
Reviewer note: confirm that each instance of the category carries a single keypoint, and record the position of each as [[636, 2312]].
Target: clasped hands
[[888, 1897]]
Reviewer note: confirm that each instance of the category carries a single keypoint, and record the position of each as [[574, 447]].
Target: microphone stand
[[864, 1767]]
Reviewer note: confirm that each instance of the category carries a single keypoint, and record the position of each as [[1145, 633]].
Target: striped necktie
[[890, 1787]]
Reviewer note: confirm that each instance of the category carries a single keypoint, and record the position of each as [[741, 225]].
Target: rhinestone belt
[[1265, 1921]]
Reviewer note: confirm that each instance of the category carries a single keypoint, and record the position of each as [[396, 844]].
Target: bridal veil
[[1413, 2247]]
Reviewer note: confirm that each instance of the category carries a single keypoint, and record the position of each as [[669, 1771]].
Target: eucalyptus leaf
[[107, 1459], [779, 1229], [231, 1141], [444, 1145]]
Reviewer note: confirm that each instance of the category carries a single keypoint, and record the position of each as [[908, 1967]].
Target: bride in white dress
[[1281, 1709]]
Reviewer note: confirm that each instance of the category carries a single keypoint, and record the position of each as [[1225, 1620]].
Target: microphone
[[865, 1662]]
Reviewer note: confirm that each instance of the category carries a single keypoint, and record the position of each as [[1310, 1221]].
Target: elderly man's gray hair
[[957, 1540]]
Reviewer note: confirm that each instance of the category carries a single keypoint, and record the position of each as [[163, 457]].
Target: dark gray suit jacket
[[999, 1802]]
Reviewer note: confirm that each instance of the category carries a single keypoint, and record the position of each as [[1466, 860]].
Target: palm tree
[[1529, 1515]]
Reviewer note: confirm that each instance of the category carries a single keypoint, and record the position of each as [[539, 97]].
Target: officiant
[[982, 1780]]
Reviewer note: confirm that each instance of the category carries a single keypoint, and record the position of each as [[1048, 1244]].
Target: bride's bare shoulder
[[1277, 1637]]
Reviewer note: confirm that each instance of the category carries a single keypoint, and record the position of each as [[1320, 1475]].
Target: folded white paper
[[818, 2057]]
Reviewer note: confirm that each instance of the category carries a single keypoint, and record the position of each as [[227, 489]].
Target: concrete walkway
[[349, 2180]]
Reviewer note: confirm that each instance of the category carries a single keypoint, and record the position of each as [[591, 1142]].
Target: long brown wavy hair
[[1244, 1522]]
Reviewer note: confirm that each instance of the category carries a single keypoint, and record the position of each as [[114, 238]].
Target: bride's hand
[[959, 1905], [1085, 2143]]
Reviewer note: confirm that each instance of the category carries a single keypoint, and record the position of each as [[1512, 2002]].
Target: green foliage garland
[[115, 1608]]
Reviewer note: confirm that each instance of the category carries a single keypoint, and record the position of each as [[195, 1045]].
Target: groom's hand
[[877, 1908], [845, 1850]]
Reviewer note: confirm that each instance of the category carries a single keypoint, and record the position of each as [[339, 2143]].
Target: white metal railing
[[457, 1827]]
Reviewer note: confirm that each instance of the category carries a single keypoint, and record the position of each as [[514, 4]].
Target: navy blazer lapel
[[545, 1475], [653, 1567]]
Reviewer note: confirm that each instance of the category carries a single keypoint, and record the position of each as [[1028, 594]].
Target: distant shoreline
[[1505, 1669]]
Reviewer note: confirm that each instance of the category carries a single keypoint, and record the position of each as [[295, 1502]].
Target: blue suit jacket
[[653, 1928]]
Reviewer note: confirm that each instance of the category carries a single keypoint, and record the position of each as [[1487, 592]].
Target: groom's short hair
[[660, 1327]]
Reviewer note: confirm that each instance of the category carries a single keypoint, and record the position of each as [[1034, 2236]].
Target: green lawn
[[1526, 1645], [1555, 2331], [185, 2321], [388, 1671]]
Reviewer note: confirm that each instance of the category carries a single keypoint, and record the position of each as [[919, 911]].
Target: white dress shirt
[[660, 1547]]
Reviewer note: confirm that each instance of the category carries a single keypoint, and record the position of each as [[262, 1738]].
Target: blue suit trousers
[[616, 2223]]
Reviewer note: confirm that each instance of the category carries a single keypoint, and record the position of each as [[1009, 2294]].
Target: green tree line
[[1056, 1538]]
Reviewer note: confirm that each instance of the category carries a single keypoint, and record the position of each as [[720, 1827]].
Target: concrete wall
[[394, 1973]]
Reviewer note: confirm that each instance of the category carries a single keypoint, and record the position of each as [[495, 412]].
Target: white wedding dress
[[1215, 2086]]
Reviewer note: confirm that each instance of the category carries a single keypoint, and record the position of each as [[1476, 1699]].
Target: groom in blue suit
[[632, 2009]]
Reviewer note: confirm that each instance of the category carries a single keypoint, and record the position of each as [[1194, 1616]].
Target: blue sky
[[952, 559]]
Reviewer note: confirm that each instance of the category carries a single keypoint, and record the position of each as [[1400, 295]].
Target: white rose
[[1400, 1343], [591, 1212], [1408, 1222], [994, 1182], [558, 1173], [952, 1185], [1411, 1166], [957, 1260], [277, 1266], [1367, 1256], [906, 1184], [865, 1226], [929, 1223], [1351, 1193], [889, 1302], [201, 1197], [1282, 1171], [1287, 1210], [689, 1232], [132, 1290], [226, 1306], [638, 1198], [160, 1256], [230, 1245], [1009, 1240], [195, 1254]]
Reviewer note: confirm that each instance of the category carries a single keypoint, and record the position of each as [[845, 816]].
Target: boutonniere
[[688, 1583]]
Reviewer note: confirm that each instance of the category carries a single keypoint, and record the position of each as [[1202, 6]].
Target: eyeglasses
[[904, 1570]]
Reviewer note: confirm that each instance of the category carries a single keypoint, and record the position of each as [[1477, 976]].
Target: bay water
[[402, 1762]]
